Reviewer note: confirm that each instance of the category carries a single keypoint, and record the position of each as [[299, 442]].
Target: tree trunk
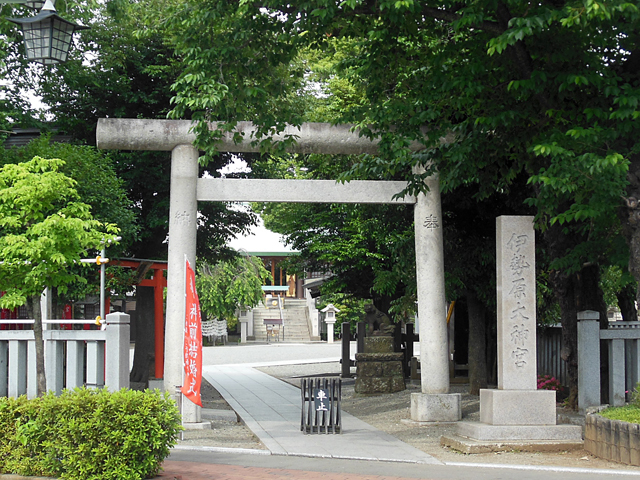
[[33, 311], [564, 287], [626, 302], [630, 219], [477, 344], [143, 357]]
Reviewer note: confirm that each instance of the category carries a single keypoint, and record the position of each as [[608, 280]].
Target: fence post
[[17, 368], [632, 353], [117, 351], [362, 333], [75, 364], [4, 368], [32, 375], [588, 359], [346, 349], [54, 362], [95, 364], [408, 352], [616, 372]]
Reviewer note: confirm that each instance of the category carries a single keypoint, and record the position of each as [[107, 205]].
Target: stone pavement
[[271, 408]]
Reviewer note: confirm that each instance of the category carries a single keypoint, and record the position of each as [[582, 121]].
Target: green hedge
[[88, 434]]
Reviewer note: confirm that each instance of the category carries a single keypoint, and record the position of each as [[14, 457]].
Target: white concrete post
[[435, 403], [95, 364], [588, 359], [632, 349], [183, 212], [243, 331], [75, 363], [32, 377], [245, 317], [54, 357], [616, 372], [250, 323], [117, 351], [4, 368], [17, 368]]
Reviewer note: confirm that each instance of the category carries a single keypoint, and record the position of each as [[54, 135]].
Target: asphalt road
[[222, 465]]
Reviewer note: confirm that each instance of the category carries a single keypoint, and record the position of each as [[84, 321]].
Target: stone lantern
[[330, 319]]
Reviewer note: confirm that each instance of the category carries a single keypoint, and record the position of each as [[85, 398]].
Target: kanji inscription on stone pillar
[[515, 264]]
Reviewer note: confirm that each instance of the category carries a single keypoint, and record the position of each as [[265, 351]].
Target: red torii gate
[[158, 282]]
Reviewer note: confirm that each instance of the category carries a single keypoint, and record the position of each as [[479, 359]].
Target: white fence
[[623, 347], [73, 358]]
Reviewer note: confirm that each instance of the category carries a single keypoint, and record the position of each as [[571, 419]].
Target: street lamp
[[47, 36]]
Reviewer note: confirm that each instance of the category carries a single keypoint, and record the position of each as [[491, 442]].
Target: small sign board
[[321, 405], [322, 400]]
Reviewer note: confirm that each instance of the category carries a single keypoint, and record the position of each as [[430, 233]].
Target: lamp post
[[47, 36]]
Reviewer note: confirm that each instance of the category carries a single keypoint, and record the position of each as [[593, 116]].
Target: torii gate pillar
[[434, 404], [183, 220]]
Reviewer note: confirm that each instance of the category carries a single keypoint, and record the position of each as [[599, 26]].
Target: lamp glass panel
[[48, 41], [37, 39], [35, 4], [61, 38]]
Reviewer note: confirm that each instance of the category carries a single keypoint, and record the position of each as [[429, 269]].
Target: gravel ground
[[388, 412]]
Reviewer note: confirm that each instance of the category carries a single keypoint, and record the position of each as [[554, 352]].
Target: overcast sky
[[262, 240]]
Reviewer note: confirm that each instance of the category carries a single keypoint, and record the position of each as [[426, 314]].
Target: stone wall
[[613, 440]]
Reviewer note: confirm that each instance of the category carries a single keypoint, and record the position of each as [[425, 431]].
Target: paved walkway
[[271, 408]]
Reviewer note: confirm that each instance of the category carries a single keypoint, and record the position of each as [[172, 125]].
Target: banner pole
[[184, 320]]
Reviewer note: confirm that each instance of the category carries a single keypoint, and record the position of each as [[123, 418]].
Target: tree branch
[[449, 16]]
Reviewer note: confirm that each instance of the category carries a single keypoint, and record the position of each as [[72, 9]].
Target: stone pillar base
[[521, 433], [518, 407], [197, 425], [436, 407], [379, 373]]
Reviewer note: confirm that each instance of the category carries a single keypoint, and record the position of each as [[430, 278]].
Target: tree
[[549, 89], [122, 69], [45, 229], [98, 186], [230, 285]]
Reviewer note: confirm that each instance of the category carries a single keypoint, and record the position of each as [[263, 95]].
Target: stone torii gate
[[435, 403]]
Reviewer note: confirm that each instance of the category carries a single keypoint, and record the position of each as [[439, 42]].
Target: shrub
[[635, 396], [628, 413], [88, 434], [547, 382]]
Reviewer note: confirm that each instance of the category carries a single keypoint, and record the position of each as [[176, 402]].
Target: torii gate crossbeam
[[435, 403]]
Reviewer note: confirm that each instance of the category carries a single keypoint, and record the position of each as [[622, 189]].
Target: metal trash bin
[[321, 405]]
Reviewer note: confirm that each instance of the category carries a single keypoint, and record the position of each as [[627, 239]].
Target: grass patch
[[628, 413]]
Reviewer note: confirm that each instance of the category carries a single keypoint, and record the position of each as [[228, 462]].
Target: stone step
[[294, 315]]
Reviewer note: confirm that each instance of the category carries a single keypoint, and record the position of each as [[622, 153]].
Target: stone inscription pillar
[[517, 413], [517, 400], [516, 293], [183, 211], [435, 403]]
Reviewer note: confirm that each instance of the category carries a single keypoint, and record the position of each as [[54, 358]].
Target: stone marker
[[517, 400], [517, 411]]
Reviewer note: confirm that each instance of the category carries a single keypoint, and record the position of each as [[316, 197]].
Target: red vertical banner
[[192, 341]]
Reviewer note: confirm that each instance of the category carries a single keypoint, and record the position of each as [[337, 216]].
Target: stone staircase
[[296, 327]]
